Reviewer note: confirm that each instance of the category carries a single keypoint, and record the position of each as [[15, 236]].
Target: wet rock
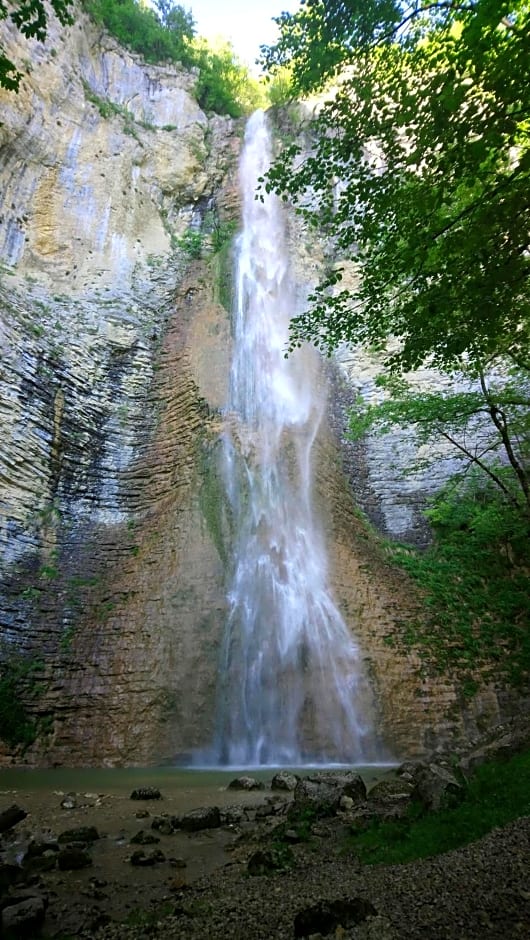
[[141, 859], [206, 817], [144, 838], [41, 855], [284, 781], [326, 917], [233, 815], [142, 814], [84, 834], [45, 862], [146, 793], [24, 918], [163, 824], [321, 792], [73, 858], [40, 846], [409, 770], [11, 816], [435, 786], [246, 783], [266, 809], [390, 791]]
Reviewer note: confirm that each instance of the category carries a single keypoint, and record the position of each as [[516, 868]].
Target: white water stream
[[291, 691]]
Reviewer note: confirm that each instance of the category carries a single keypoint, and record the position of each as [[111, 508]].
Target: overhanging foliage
[[420, 171]]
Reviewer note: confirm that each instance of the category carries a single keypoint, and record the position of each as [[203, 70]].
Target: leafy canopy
[[419, 172]]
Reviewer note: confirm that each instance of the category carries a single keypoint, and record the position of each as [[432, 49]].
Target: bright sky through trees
[[246, 23]]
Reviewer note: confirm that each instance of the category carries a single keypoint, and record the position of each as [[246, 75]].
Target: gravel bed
[[479, 891]]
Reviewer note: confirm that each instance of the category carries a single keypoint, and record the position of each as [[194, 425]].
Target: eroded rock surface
[[114, 354]]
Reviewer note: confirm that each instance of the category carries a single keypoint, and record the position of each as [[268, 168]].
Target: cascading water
[[290, 685]]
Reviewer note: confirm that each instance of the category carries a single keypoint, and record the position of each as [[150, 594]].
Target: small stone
[[291, 836], [163, 824], [142, 814], [146, 793], [69, 801], [144, 838], [142, 860]]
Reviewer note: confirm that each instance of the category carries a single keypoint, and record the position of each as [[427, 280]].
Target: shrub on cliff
[[168, 35]]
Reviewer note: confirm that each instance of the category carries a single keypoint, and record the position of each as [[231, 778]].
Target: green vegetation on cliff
[[476, 586], [167, 34], [16, 726]]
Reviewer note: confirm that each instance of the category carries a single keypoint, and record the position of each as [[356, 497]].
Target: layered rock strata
[[114, 356], [114, 531]]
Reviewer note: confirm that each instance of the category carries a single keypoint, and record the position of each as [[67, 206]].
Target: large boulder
[[435, 786], [321, 792], [85, 834], [246, 783], [24, 918], [391, 791], [206, 817], [284, 780], [146, 793], [11, 816], [510, 741], [73, 858]]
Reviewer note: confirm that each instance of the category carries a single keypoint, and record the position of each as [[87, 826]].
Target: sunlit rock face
[[113, 362]]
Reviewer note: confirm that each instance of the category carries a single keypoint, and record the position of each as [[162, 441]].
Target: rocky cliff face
[[115, 349]]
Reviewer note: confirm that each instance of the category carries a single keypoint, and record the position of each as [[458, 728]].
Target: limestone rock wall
[[114, 353]]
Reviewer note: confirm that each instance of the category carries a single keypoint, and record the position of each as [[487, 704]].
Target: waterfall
[[291, 689]]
